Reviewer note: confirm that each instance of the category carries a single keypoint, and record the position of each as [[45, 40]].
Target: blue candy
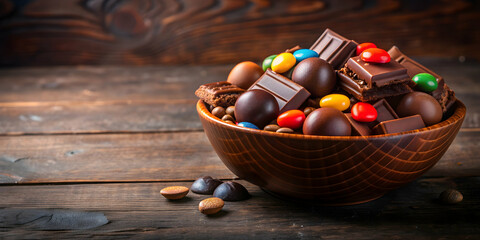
[[303, 54], [247, 125]]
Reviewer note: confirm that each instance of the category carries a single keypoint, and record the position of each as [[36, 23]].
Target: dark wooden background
[[144, 32]]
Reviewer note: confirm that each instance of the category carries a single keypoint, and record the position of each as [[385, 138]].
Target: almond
[[211, 205], [174, 192]]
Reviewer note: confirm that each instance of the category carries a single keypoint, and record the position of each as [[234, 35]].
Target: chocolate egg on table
[[283, 62], [303, 54], [327, 122], [338, 101], [420, 103], [267, 63], [316, 75], [245, 74], [257, 107], [425, 82]]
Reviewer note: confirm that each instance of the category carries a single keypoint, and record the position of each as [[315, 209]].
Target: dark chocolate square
[[288, 94], [359, 128], [399, 125], [384, 111], [334, 48]]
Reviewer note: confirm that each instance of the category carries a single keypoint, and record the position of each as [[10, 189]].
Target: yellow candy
[[283, 62], [338, 101]]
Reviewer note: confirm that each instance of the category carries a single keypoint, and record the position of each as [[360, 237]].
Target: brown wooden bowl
[[329, 170]]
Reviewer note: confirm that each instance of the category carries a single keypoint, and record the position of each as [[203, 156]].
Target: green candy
[[425, 82], [267, 63]]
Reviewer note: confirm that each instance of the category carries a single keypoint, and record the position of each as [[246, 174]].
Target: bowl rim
[[458, 115]]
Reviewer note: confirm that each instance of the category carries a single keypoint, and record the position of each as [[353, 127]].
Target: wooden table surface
[[84, 152]]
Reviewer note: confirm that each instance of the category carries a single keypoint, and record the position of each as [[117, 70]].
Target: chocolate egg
[[245, 74], [316, 75], [420, 103], [327, 122], [257, 107]]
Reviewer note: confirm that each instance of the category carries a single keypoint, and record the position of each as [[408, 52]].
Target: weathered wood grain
[[155, 157], [145, 99], [139, 211], [49, 32]]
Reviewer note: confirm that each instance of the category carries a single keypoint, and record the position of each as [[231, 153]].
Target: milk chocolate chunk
[[399, 125], [334, 48], [384, 111], [370, 81], [443, 94], [288, 94], [221, 94], [359, 128]]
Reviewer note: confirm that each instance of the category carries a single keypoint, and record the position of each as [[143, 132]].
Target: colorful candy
[[337, 101], [267, 63], [303, 54], [283, 62], [291, 119], [375, 55], [364, 46], [364, 112], [425, 82], [247, 125]]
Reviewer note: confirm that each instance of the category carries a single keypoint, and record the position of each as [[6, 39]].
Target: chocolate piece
[[327, 122], [384, 111], [444, 95], [222, 94], [358, 128], [257, 107], [293, 49], [205, 185], [288, 94], [399, 125], [285, 130], [271, 127], [316, 75], [422, 104], [245, 74], [334, 48], [231, 191], [370, 81]]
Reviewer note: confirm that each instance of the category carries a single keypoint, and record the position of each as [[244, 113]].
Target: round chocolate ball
[[420, 103], [327, 122], [245, 74], [316, 75], [257, 107]]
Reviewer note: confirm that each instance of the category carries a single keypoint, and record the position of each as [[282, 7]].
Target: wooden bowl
[[329, 170]]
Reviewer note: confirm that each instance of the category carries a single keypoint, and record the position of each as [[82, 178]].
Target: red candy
[[364, 112], [375, 55], [291, 119], [364, 46]]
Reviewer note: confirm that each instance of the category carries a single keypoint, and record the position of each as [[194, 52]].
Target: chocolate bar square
[[372, 81], [359, 128], [444, 95], [399, 125], [222, 94], [288, 94], [384, 111], [334, 48]]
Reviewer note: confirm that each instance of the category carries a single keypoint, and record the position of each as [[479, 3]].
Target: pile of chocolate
[[336, 88]]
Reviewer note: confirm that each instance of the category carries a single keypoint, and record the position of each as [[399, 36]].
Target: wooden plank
[[139, 211], [144, 99], [179, 32], [155, 157]]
